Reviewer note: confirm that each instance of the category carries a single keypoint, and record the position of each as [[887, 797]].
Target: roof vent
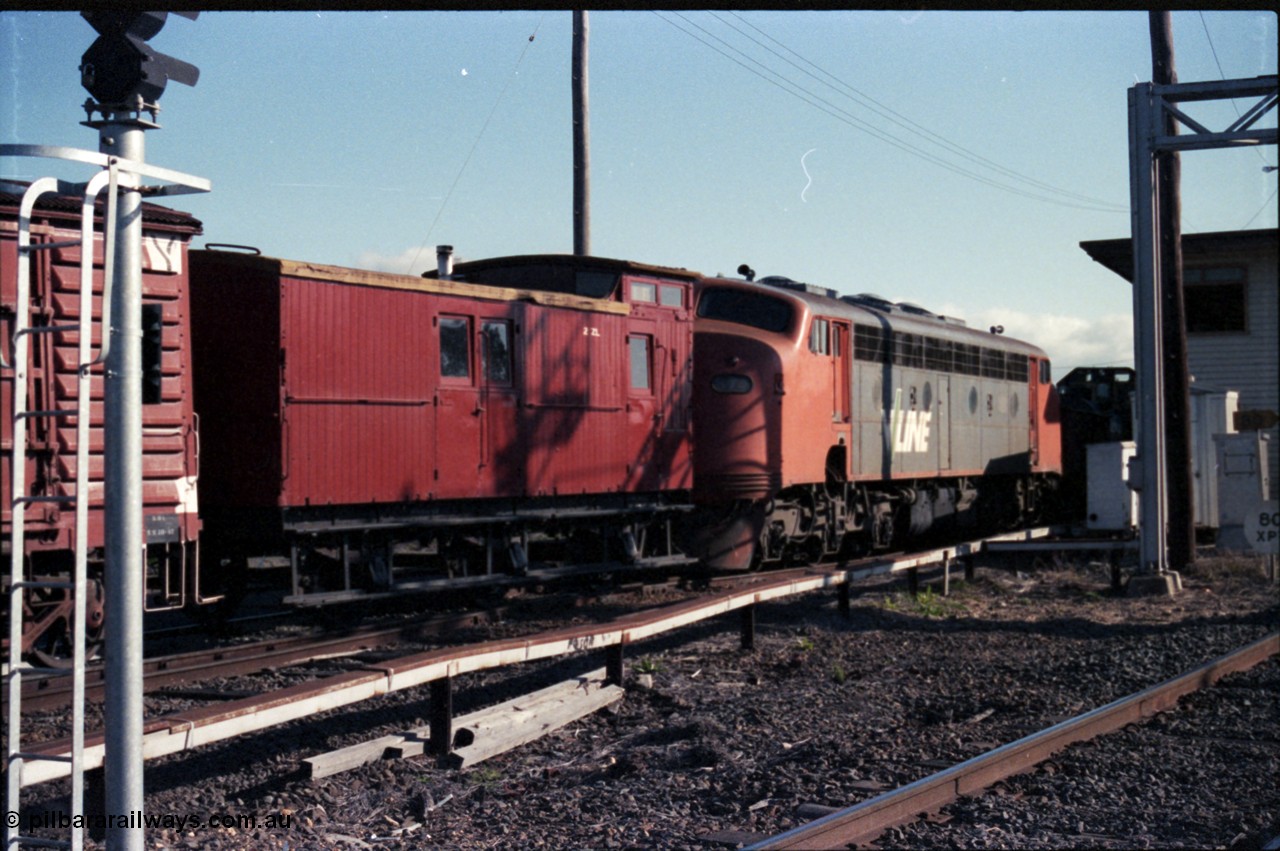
[[785, 283], [872, 301], [916, 310]]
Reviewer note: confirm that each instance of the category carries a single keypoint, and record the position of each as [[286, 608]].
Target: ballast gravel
[[714, 746]]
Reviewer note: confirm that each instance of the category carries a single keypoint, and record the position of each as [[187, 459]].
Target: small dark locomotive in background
[[380, 434]]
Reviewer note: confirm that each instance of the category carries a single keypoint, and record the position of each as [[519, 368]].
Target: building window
[[639, 347], [1214, 299], [455, 347]]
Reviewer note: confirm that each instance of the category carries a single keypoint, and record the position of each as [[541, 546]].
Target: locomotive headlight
[[730, 383]]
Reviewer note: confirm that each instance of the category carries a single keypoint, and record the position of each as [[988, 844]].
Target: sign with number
[[1262, 527]]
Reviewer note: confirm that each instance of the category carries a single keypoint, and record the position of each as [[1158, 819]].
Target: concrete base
[[1151, 584]]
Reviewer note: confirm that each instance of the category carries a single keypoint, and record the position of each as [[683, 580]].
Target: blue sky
[[825, 146]]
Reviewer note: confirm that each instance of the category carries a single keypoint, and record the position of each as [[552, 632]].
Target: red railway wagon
[[170, 447], [388, 432], [855, 421]]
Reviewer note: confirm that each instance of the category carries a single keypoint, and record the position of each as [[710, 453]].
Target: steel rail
[[864, 822], [172, 734], [52, 692], [187, 730]]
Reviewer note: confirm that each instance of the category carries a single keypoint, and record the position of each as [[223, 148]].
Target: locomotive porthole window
[[731, 383], [1013, 405], [973, 400], [928, 395]]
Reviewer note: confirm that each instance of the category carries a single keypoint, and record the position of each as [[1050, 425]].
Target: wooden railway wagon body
[[389, 431], [853, 421], [170, 463]]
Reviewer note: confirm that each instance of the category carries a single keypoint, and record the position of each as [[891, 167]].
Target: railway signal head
[[120, 67]]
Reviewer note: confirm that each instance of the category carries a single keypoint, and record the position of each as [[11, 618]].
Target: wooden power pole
[[581, 148], [1177, 384]]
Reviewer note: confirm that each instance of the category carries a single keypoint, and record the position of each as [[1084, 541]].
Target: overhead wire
[[822, 104], [1265, 205], [898, 118], [474, 145], [1223, 74]]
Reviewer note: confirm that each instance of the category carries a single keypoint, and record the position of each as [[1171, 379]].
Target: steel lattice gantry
[[1149, 106]]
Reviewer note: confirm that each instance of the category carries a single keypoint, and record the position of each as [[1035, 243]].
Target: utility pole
[[581, 147], [1177, 385]]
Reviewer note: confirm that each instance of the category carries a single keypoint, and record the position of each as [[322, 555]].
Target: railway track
[[53, 692], [187, 730], [866, 821]]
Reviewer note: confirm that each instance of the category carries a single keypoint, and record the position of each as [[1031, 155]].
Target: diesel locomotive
[[845, 424]]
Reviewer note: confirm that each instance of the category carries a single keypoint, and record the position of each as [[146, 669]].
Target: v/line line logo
[[908, 430]]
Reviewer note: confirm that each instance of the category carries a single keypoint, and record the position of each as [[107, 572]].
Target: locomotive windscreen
[[744, 307]]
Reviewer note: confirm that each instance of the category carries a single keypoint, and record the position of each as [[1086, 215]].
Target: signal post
[[126, 77]]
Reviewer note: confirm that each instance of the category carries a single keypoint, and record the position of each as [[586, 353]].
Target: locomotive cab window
[[820, 337], [455, 347], [755, 310]]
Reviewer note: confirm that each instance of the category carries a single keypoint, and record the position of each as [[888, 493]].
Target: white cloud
[[1071, 341], [411, 261]]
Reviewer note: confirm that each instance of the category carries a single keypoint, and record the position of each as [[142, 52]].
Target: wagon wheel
[[47, 634]]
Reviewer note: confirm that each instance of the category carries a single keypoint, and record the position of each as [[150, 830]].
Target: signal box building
[[1230, 285]]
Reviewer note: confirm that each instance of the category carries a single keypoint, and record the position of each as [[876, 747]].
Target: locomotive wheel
[[48, 615]]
